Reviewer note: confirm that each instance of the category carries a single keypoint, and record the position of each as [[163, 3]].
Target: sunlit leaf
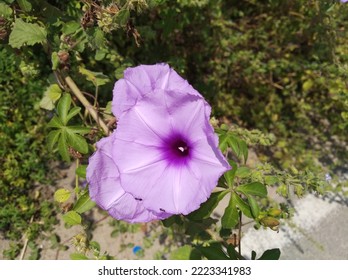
[[97, 78], [62, 195], [55, 122], [26, 34], [51, 95], [63, 108], [52, 138], [72, 218], [230, 217], [242, 205], [5, 10], [254, 188], [81, 171], [79, 129], [255, 210], [78, 256], [229, 175], [243, 172], [83, 204], [77, 142], [182, 253], [73, 112]]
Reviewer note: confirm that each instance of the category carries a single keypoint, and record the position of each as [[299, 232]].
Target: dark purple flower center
[[177, 149], [180, 148]]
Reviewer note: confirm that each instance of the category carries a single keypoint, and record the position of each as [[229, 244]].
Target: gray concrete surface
[[318, 230]]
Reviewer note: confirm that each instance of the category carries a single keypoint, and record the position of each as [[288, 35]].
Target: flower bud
[[63, 57], [269, 222], [273, 212]]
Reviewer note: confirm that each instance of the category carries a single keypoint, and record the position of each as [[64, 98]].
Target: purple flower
[[344, 1], [144, 79], [105, 188], [163, 158]]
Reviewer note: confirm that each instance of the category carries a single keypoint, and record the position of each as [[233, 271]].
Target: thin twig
[[76, 91], [240, 234], [25, 242]]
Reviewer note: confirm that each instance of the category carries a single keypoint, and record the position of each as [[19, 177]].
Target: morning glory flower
[[105, 188], [167, 152], [328, 177], [141, 80], [163, 158]]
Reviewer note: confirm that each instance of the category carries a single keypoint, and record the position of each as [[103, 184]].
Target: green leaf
[[238, 146], [233, 253], [244, 150], [175, 219], [77, 142], [62, 195], [229, 175], [233, 143], [271, 180], [255, 210], [242, 205], [55, 122], [63, 108], [26, 34], [272, 254], [307, 85], [81, 171], [207, 207], [63, 147], [79, 129], [55, 60], [97, 78], [78, 256], [51, 95], [230, 217], [83, 204], [99, 38], [182, 253], [243, 172], [73, 112], [72, 218], [5, 10], [123, 16], [52, 138], [254, 188], [223, 141], [71, 27], [25, 5], [213, 252]]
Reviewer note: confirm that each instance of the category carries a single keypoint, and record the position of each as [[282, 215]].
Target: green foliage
[[23, 169], [267, 65], [274, 72], [67, 137], [26, 34]]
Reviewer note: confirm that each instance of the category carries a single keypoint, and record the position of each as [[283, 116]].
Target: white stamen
[[182, 149]]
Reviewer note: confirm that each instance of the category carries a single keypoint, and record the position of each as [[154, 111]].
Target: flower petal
[[144, 79], [148, 168], [106, 190]]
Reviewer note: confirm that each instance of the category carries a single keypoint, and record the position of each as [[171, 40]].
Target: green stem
[[76, 91]]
